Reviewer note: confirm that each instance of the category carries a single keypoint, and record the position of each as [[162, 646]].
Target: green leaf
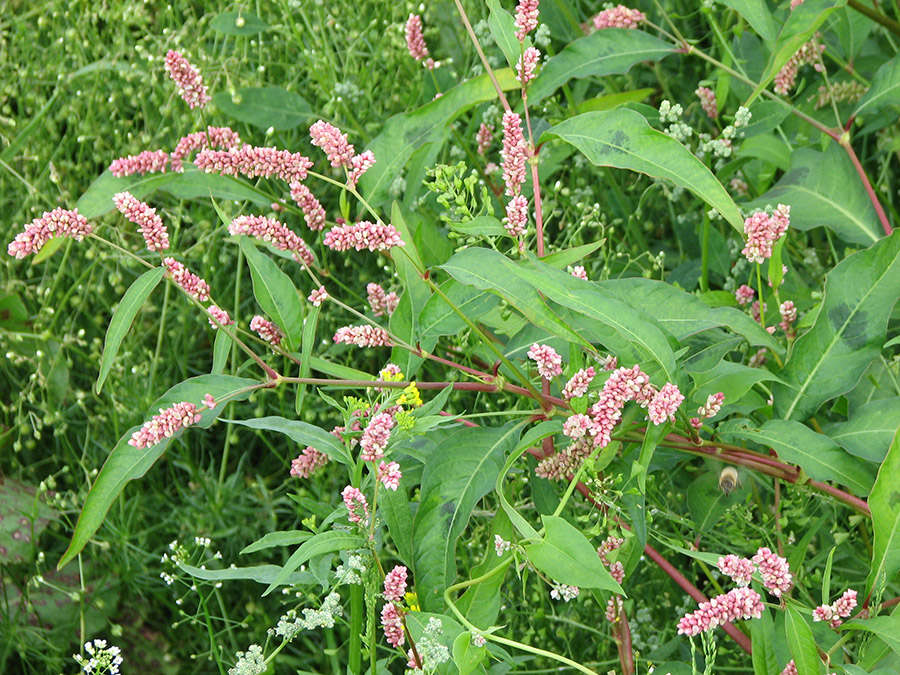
[[610, 101], [885, 627], [275, 293], [757, 15], [463, 469], [13, 313], [122, 318], [190, 184], [306, 348], [884, 502], [801, 642], [503, 29], [623, 139], [612, 51], [263, 574], [265, 107], [885, 89], [395, 508], [238, 23], [847, 335], [815, 453], [569, 256], [566, 556], [126, 463], [767, 115], [834, 199], [732, 379], [481, 603], [466, 655], [438, 318], [761, 636], [221, 351], [483, 226], [273, 539], [707, 503], [870, 429], [405, 133], [303, 434], [319, 544]]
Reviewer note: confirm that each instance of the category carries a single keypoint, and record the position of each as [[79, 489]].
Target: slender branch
[[484, 61], [877, 17]]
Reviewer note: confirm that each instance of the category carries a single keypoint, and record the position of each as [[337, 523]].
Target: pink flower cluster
[[332, 142], [363, 235], [774, 570], [810, 53], [516, 215], [514, 153], [188, 79], [663, 405], [791, 667], [318, 296], [190, 282], [356, 504], [308, 461], [219, 315], [788, 316], [253, 162], [389, 474], [392, 623], [381, 302], [165, 424], [763, 230], [395, 584], [376, 436], [840, 609], [363, 336], [526, 65], [578, 383], [549, 363], [484, 137], [619, 17], [359, 164], [150, 225], [712, 406], [273, 232], [738, 569], [744, 295], [708, 101], [739, 603], [213, 137], [415, 40], [267, 330], [55, 223], [313, 213], [578, 271], [526, 18], [148, 161]]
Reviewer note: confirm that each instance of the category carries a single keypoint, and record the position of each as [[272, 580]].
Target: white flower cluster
[[290, 624], [431, 651], [722, 146], [671, 114], [352, 572], [251, 662], [102, 660]]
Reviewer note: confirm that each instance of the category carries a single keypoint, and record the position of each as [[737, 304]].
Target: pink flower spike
[[381, 302], [577, 426], [149, 161], [392, 625], [51, 224], [744, 295], [209, 401], [254, 162], [356, 504], [318, 296], [696, 423], [359, 164], [619, 17], [267, 330], [740, 570], [376, 437], [774, 571], [739, 603], [549, 363], [332, 142], [844, 605], [526, 66], [415, 40], [150, 225], [763, 230], [514, 153], [578, 384], [273, 232], [307, 462], [610, 544], [219, 315], [165, 424], [363, 336], [395, 584], [213, 137], [790, 668], [389, 474], [313, 212], [526, 18], [708, 101], [663, 406], [484, 138], [516, 216], [188, 79], [788, 316], [712, 406], [190, 282], [363, 235]]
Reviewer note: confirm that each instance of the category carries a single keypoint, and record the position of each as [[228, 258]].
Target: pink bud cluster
[[549, 363], [363, 336], [738, 603], [578, 383], [526, 65], [376, 436], [526, 18], [738, 569], [791, 667], [619, 17], [313, 213], [389, 474], [273, 232], [254, 162], [415, 40], [188, 79], [788, 313], [190, 282], [381, 302], [332, 142], [318, 296], [516, 215], [484, 137], [213, 137], [267, 330], [165, 424], [614, 608], [356, 504], [148, 161], [763, 230], [363, 235], [514, 153], [395, 583], [744, 295], [663, 405], [392, 623], [708, 101], [755, 310], [219, 315], [712, 406], [774, 570], [307, 462], [359, 164], [840, 609], [810, 53], [578, 272], [150, 225], [610, 544], [51, 224]]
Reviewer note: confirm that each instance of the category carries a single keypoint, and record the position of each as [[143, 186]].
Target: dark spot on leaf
[[796, 176], [850, 327], [448, 508]]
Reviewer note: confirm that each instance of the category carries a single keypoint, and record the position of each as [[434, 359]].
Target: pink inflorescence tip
[[359, 164], [376, 436], [514, 153], [516, 215], [318, 296], [148, 161], [578, 271], [392, 625], [219, 315], [307, 462], [415, 41], [395, 584], [213, 137], [273, 232], [663, 405], [744, 295], [484, 137], [774, 571], [712, 406], [165, 424], [190, 282], [840, 609], [313, 212], [389, 474], [619, 17], [356, 503], [708, 101], [739, 603], [526, 18], [254, 162], [51, 224], [267, 330], [149, 223], [380, 301], [763, 230], [739, 569], [363, 235], [188, 79], [549, 363], [363, 336], [526, 65], [578, 384], [332, 142]]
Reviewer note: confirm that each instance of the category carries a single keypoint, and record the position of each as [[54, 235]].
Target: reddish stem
[[882, 216]]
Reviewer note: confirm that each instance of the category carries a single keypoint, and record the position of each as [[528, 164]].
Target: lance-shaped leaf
[[303, 434], [885, 627], [801, 642], [503, 29], [885, 89], [849, 331], [869, 431], [884, 503], [611, 51], [757, 15], [121, 320], [126, 463], [623, 139], [324, 542], [265, 107]]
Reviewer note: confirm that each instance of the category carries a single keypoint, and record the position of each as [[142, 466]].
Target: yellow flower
[[410, 396]]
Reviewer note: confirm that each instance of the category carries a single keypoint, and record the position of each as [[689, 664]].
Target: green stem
[[704, 243]]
